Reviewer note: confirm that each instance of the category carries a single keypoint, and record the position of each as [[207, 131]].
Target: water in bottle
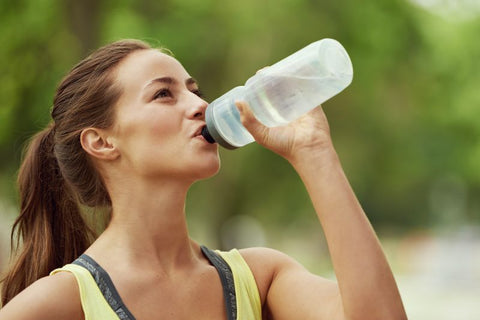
[[281, 93]]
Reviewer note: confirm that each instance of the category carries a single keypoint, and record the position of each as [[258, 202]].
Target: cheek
[[154, 128], [147, 137], [163, 123], [163, 130], [162, 137]]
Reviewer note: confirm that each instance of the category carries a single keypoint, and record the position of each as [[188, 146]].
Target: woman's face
[[158, 120]]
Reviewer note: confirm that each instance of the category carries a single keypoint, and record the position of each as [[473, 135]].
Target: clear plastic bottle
[[281, 93]]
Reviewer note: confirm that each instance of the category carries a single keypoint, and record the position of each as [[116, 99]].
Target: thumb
[[255, 127]]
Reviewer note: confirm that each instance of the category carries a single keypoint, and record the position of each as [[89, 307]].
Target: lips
[[198, 132]]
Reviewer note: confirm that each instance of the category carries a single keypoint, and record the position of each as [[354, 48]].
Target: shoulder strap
[[93, 304], [85, 267], [249, 304], [105, 284], [228, 283]]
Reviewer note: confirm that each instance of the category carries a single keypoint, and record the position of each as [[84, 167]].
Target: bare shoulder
[[52, 297], [265, 264], [288, 290], [266, 258]]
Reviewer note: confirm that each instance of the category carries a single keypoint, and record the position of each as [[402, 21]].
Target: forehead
[[140, 67]]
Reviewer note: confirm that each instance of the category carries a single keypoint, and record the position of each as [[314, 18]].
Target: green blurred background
[[407, 129]]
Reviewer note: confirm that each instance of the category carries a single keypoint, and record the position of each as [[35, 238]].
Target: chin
[[205, 172]]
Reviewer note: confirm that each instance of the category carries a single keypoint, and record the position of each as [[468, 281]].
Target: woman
[[125, 135]]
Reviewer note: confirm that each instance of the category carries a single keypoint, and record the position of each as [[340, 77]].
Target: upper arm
[[53, 297], [289, 291]]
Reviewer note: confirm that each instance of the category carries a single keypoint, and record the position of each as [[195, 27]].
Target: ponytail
[[57, 175], [50, 230]]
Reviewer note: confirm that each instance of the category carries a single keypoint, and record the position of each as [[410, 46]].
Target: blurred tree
[[84, 20], [408, 120]]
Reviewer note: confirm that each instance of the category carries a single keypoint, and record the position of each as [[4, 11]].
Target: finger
[[317, 110], [255, 127], [262, 69]]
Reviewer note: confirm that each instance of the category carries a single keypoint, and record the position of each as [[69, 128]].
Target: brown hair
[[57, 176]]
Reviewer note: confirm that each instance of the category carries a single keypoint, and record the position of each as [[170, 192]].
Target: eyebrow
[[169, 80]]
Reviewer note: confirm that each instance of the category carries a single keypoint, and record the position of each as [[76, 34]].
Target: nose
[[198, 107]]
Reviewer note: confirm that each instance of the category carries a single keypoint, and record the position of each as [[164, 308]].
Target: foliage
[[405, 129]]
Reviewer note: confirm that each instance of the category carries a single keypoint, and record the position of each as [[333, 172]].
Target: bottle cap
[[210, 132]]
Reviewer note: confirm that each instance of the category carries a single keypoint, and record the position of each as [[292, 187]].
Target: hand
[[303, 138]]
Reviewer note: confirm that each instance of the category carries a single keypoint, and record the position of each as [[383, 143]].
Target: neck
[[149, 224]]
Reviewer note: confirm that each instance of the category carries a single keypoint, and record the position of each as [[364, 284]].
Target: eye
[[198, 93], [162, 93]]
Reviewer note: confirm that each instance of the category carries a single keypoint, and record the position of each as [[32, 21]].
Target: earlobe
[[96, 143]]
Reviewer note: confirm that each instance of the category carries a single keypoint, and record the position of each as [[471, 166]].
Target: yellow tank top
[[101, 301]]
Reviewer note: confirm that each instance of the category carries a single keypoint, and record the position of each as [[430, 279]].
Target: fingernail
[[239, 106]]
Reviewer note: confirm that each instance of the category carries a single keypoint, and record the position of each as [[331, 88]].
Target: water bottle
[[281, 93]]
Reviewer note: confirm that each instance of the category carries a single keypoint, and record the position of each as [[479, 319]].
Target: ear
[[96, 143]]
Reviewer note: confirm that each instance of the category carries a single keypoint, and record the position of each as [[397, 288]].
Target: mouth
[[202, 133], [198, 132]]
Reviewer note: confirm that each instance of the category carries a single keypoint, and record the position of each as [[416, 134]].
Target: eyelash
[[169, 94], [199, 93]]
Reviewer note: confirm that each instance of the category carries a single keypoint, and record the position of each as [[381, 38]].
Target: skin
[[150, 158]]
